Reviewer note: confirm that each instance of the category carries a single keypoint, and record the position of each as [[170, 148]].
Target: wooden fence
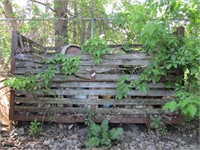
[[92, 88]]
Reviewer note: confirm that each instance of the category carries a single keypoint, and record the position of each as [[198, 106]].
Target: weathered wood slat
[[108, 111], [30, 58], [106, 92], [91, 101], [98, 85], [104, 77], [24, 66], [82, 69], [22, 71], [87, 77], [40, 59], [73, 118], [29, 63]]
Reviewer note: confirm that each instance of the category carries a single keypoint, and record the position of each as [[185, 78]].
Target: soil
[[73, 137]]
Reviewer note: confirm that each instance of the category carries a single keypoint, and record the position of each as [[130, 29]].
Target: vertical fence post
[[92, 18], [195, 31], [180, 31], [14, 47]]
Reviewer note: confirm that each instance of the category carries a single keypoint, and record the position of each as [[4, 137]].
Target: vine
[[123, 87], [173, 53], [170, 52], [42, 81], [96, 48]]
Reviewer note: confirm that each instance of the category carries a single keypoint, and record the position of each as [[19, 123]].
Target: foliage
[[42, 81], [171, 52], [187, 103], [130, 21], [122, 87], [95, 47], [100, 135], [67, 65], [35, 128], [158, 124]]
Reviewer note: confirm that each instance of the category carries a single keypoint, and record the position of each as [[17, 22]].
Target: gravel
[[73, 137]]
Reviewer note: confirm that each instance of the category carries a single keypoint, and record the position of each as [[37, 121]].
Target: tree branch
[[41, 3]]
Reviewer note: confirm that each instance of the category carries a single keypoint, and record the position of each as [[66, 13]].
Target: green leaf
[[175, 65], [116, 133], [105, 135], [93, 142], [169, 66], [104, 125], [192, 110], [105, 142], [95, 129], [184, 103], [173, 57], [170, 105]]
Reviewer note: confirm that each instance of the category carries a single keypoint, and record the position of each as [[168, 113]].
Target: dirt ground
[[73, 136]]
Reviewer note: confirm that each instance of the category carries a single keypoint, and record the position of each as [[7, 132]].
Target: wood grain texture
[[108, 111], [136, 101], [111, 92]]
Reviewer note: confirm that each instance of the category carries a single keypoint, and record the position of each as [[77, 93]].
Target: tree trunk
[[8, 12], [61, 26], [75, 23]]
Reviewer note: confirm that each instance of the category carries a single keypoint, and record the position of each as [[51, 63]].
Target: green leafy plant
[[35, 128], [141, 86], [100, 135], [169, 51], [123, 87], [95, 47], [187, 103], [158, 124], [42, 81], [67, 65]]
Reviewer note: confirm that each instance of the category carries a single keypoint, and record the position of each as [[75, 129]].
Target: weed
[[35, 128], [100, 135]]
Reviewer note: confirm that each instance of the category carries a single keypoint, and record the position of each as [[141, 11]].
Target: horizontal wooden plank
[[107, 111], [20, 64], [106, 92], [82, 69], [135, 55], [40, 58], [36, 70], [30, 58], [99, 85], [118, 62], [29, 64], [87, 77], [73, 118], [26, 100]]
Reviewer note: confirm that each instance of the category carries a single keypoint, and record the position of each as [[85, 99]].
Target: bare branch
[[41, 3]]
